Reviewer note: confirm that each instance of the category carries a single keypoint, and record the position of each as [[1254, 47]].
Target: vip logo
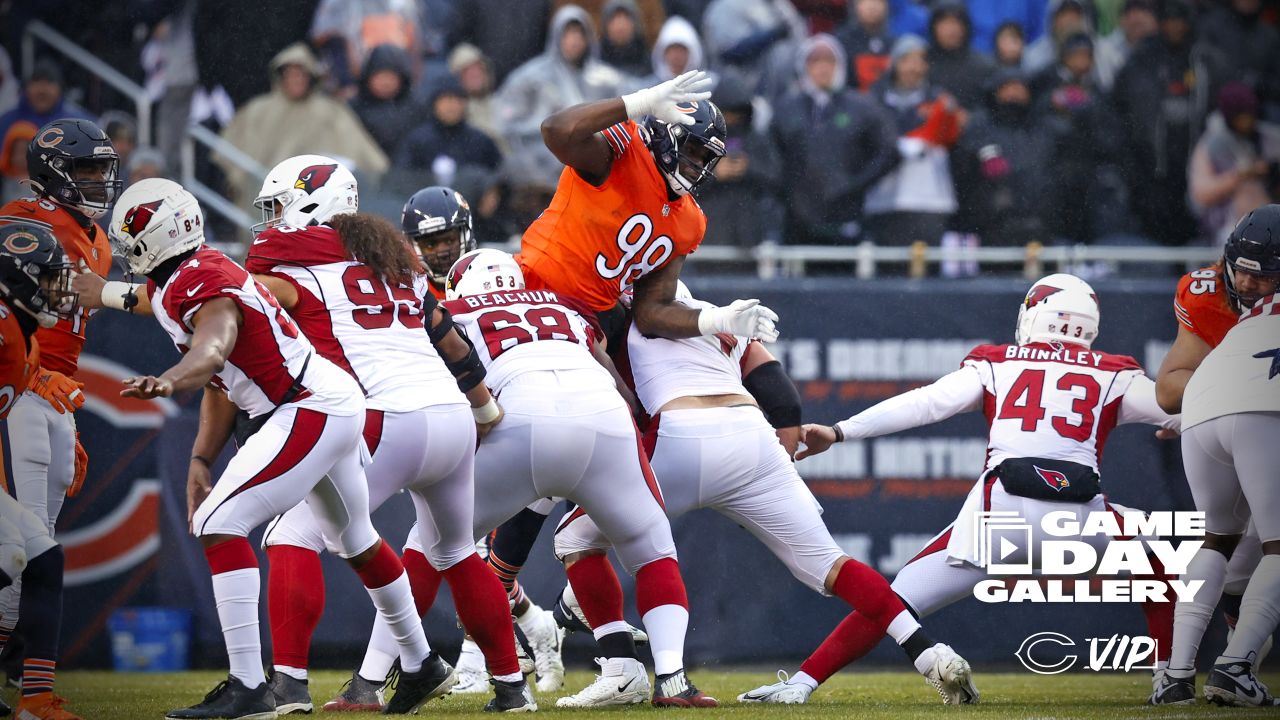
[[1118, 652]]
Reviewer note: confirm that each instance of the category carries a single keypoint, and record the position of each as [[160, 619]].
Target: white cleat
[[1233, 682], [784, 692], [472, 677], [949, 674], [526, 663], [623, 681], [545, 641]]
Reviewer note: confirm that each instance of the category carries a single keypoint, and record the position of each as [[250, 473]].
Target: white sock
[[609, 628], [666, 625], [804, 678], [293, 672], [531, 620], [395, 605], [513, 677], [236, 594], [1259, 610], [903, 626], [382, 652], [1191, 618]]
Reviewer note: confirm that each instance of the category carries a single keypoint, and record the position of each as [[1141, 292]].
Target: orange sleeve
[[1201, 305], [16, 362]]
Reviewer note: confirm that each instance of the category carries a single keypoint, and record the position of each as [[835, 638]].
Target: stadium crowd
[[993, 122]]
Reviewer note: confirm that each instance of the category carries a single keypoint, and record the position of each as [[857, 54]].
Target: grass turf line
[[898, 695]]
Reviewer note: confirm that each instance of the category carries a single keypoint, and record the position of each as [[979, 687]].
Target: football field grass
[[115, 696]]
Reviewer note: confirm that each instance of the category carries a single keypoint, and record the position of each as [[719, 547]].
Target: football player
[[1228, 383], [717, 407], [357, 292], [303, 441], [34, 293], [73, 169], [437, 220], [567, 432], [1050, 402]]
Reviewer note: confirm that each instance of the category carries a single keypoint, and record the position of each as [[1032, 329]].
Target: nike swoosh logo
[[194, 290], [623, 688], [260, 241]]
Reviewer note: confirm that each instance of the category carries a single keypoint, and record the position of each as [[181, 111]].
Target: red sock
[[482, 607], [295, 602], [424, 580], [597, 588], [658, 583], [1160, 614], [382, 569], [869, 593], [854, 637], [230, 555]]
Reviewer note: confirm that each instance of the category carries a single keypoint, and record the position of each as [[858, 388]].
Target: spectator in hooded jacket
[[677, 50], [867, 40], [1063, 19], [742, 204], [568, 72], [1252, 48], [1234, 167], [1003, 165], [757, 38], [622, 38], [1163, 96], [954, 65], [347, 31], [445, 143], [916, 200], [834, 143], [1137, 22], [1011, 45], [384, 103], [472, 69], [42, 101], [296, 117]]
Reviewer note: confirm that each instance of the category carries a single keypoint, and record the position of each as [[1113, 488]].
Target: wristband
[[486, 413], [202, 459], [839, 432], [119, 295]]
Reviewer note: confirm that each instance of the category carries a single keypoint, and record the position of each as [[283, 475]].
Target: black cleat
[[511, 697], [414, 689], [231, 700], [1233, 683], [676, 690], [292, 695], [357, 695], [1170, 690]]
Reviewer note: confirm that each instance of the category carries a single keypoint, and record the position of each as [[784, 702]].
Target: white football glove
[[660, 100], [745, 318]]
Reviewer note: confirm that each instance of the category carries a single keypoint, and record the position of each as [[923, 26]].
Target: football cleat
[[622, 681], [784, 692], [949, 674], [511, 697], [228, 700], [357, 695], [472, 676], [1170, 690], [291, 694], [413, 689], [527, 665], [44, 706], [1263, 651], [675, 690], [544, 640], [1233, 683], [568, 615]]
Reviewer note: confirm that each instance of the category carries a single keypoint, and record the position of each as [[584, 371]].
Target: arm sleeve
[[960, 391], [1139, 406]]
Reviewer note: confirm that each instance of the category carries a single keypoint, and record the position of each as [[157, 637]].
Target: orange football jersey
[[60, 345], [592, 243], [1201, 305], [16, 361]]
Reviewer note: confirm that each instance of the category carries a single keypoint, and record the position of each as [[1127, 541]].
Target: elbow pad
[[468, 370], [776, 394]]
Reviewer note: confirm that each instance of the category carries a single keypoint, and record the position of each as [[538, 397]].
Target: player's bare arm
[[459, 356], [217, 419], [1186, 354], [658, 314], [217, 324], [286, 292]]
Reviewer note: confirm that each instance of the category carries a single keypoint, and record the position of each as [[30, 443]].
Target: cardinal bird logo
[[137, 219], [314, 176], [1039, 293], [1053, 478]]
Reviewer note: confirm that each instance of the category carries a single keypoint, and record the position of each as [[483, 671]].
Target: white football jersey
[[521, 331], [663, 370], [1242, 374], [271, 360], [1051, 402], [371, 328]]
